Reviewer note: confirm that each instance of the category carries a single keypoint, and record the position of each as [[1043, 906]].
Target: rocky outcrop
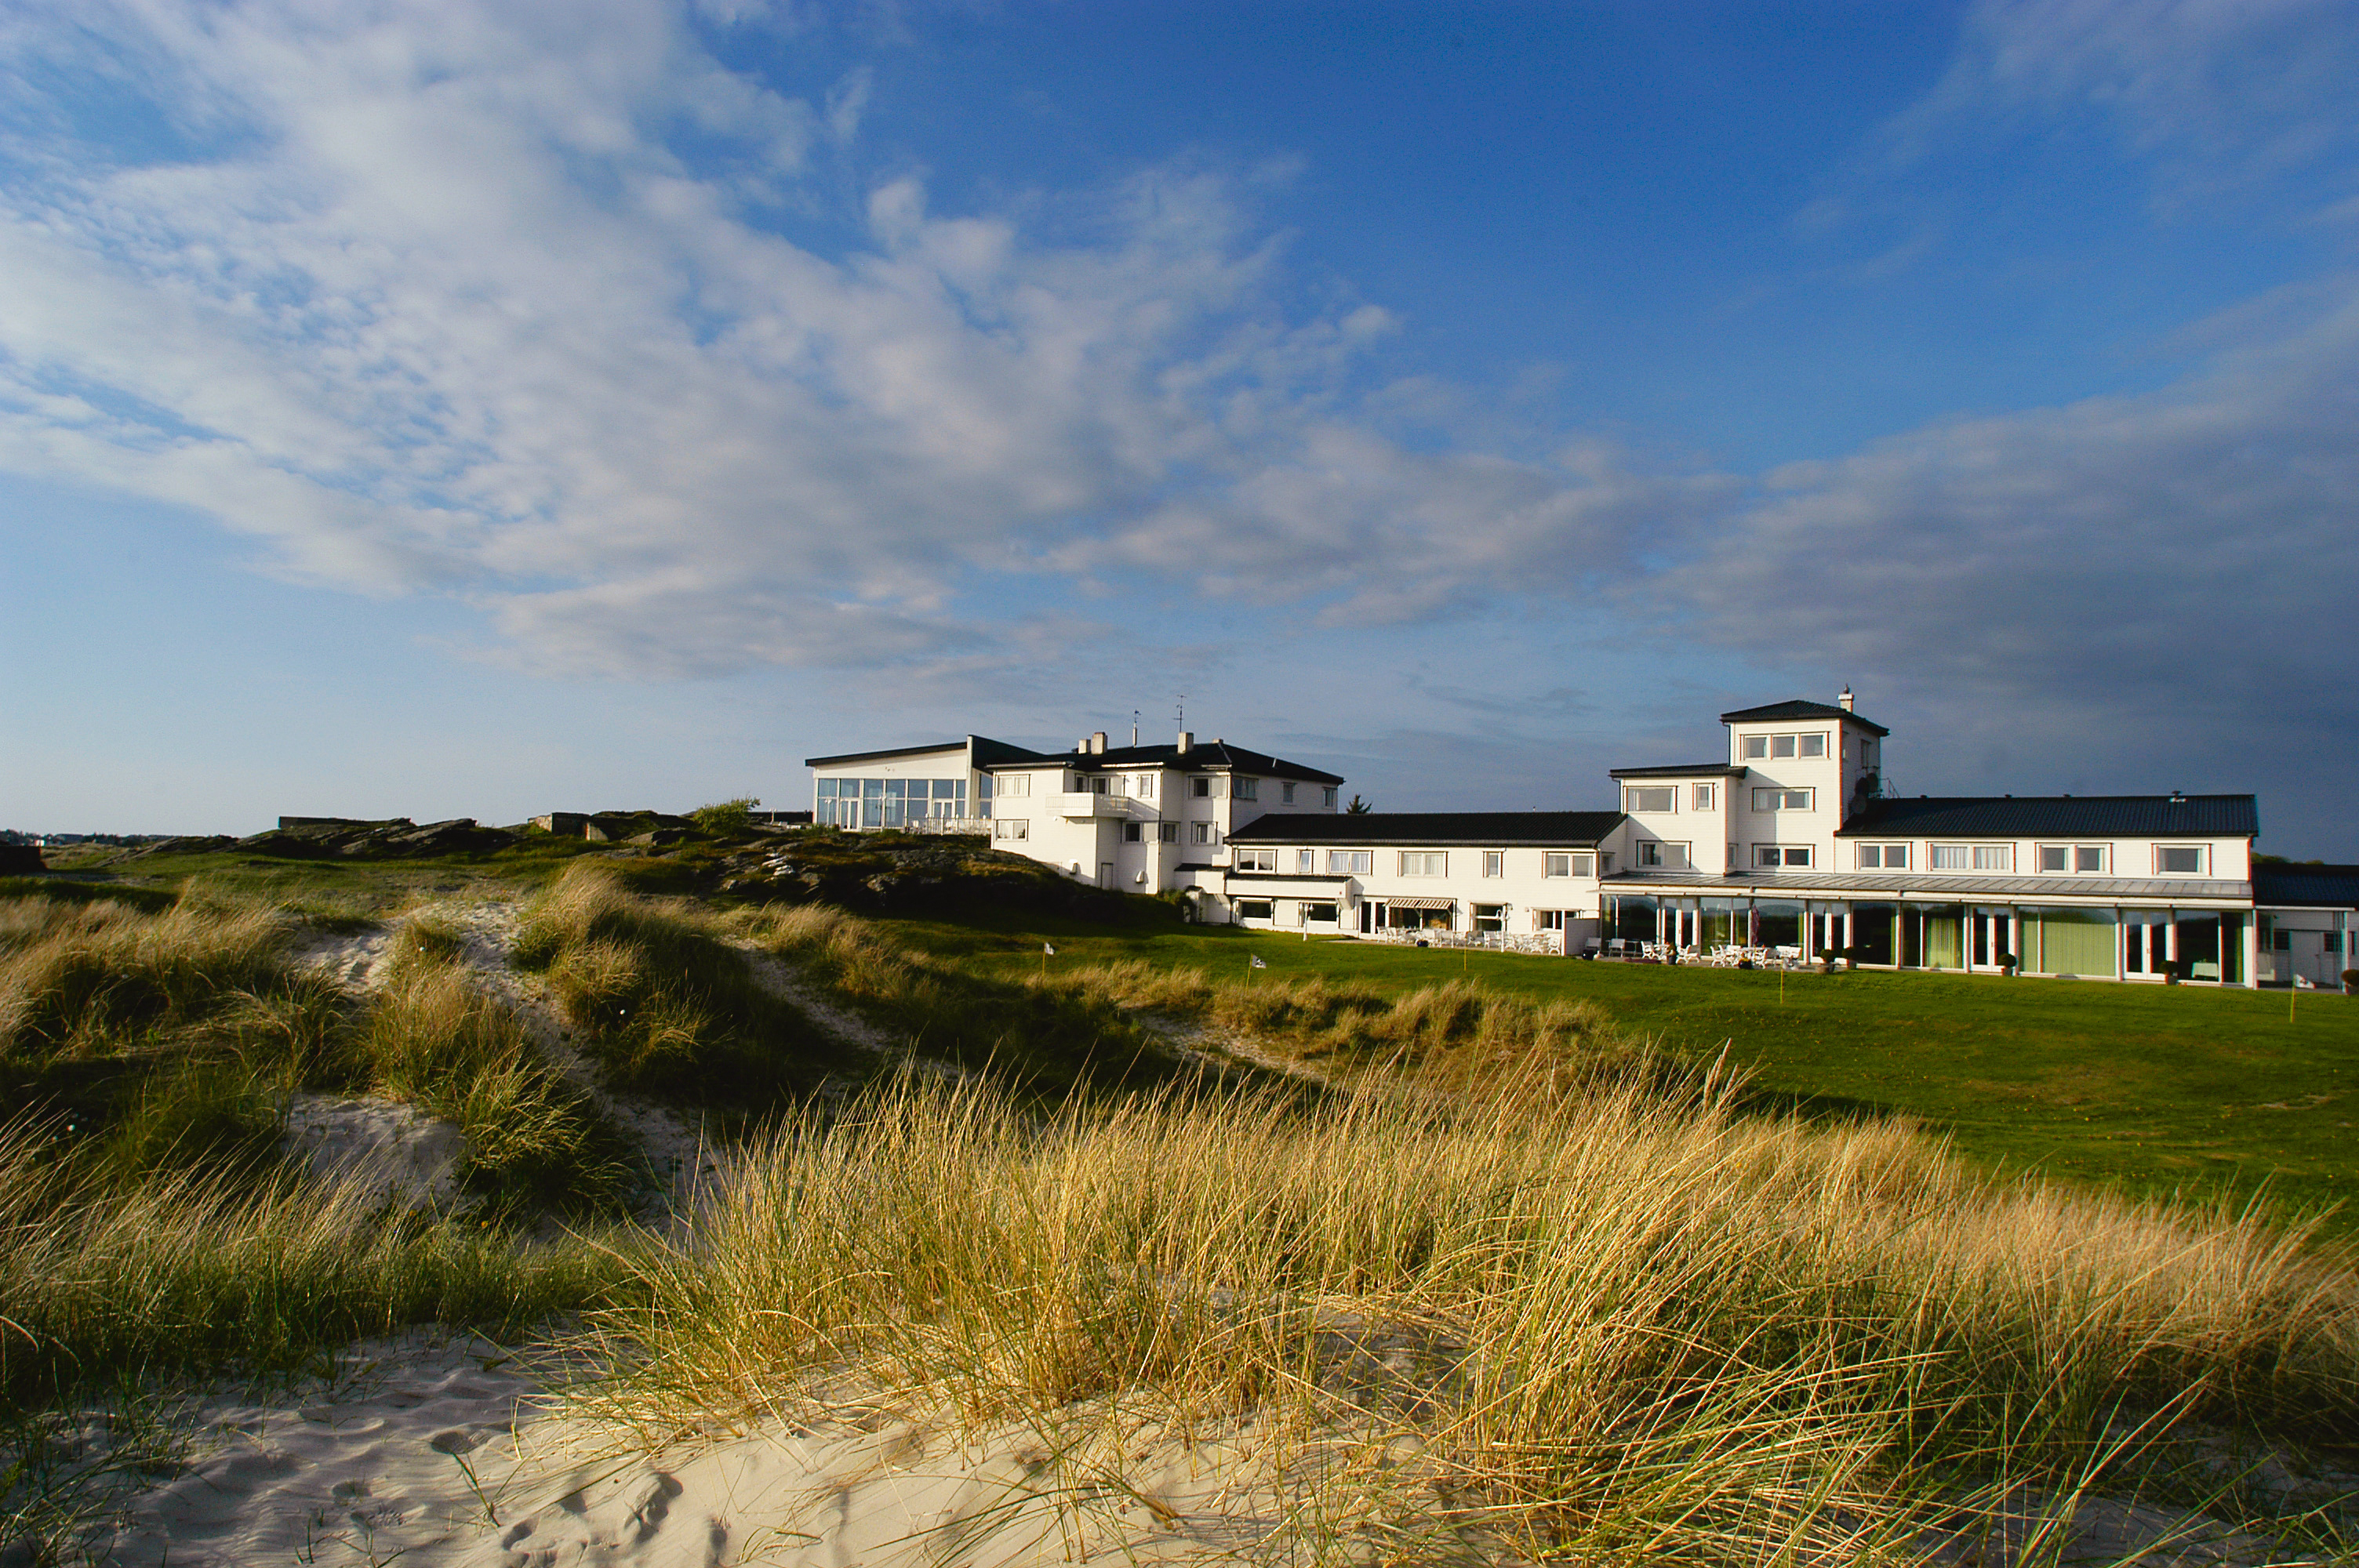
[[396, 838]]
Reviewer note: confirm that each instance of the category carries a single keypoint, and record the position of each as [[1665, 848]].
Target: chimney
[[1187, 741], [1097, 744], [1844, 702]]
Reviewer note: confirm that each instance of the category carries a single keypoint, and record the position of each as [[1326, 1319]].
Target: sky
[[445, 409]]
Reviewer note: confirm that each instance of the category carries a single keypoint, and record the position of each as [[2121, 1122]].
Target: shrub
[[726, 817]]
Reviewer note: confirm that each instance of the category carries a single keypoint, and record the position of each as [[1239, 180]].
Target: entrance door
[[1105, 874]]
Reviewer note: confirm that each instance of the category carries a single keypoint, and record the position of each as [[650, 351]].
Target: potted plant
[[1826, 961], [2009, 963], [2351, 982]]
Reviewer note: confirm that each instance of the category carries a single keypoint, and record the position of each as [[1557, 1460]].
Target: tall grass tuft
[[1607, 1327], [193, 1270], [83, 980], [1051, 1037], [664, 1003], [434, 1039]]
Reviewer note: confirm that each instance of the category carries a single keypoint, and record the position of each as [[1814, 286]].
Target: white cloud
[[432, 304]]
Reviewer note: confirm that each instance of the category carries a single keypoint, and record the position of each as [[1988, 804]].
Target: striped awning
[[1421, 903]]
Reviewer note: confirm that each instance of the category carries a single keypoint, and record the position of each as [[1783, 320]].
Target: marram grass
[[1615, 1327]]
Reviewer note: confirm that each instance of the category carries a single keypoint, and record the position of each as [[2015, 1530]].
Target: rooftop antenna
[[1133, 727], [1181, 711]]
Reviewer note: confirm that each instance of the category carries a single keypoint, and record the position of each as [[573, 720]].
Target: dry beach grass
[[1505, 1286]]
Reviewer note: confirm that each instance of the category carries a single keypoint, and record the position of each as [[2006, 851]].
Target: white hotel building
[[1789, 845]]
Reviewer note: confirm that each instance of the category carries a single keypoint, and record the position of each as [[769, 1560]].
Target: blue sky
[[445, 409]]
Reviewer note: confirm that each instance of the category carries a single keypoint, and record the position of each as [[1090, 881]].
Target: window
[[1319, 914], [1605, 862], [2071, 856], [2281, 941], [1650, 853], [1949, 858], [1568, 863], [1495, 862], [1286, 793], [1754, 746], [1011, 828], [1143, 786], [1994, 857], [1202, 788], [1247, 789], [1653, 799], [2178, 860], [1167, 833], [1098, 786], [1490, 918], [1327, 795], [1884, 856], [1200, 832], [1765, 855], [1306, 862], [1424, 863], [1350, 862], [1551, 919], [1132, 832], [1253, 908], [1016, 783], [1706, 796], [1257, 860], [1782, 799]]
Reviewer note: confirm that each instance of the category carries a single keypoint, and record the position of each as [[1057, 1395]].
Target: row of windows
[[1201, 786], [1661, 798], [1752, 746], [1414, 862], [2077, 859]]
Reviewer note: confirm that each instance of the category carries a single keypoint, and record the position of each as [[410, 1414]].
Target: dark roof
[[985, 749], [1495, 829], [1211, 756], [2069, 815], [2330, 887], [1698, 770], [1778, 712]]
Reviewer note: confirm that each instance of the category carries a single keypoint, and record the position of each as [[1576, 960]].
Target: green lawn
[[2157, 1089]]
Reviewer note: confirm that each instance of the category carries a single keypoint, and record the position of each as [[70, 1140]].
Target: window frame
[[1018, 828], [1327, 795], [1244, 789], [1269, 908], [1286, 792], [1497, 917], [2162, 853], [1809, 798], [1255, 860], [1167, 832], [1571, 859], [1202, 833], [1784, 858], [1200, 788], [2073, 854], [1495, 862], [1429, 862], [1633, 795], [1704, 797], [1883, 853], [1343, 862]]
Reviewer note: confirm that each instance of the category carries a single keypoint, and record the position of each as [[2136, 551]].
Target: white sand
[[431, 1451], [391, 1151]]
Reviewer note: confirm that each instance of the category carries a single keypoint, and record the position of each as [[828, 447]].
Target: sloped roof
[[1488, 830], [1209, 756], [886, 755], [2062, 817], [2329, 887], [1778, 712]]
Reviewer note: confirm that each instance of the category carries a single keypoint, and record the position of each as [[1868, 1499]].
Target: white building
[[1130, 819], [1788, 846]]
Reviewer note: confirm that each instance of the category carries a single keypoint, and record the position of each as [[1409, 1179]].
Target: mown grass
[[2157, 1091], [1620, 1326], [665, 1005]]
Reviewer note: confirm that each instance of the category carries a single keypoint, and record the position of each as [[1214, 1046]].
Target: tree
[[1358, 807]]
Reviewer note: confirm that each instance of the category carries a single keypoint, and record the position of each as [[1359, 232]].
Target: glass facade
[[2070, 942], [888, 803]]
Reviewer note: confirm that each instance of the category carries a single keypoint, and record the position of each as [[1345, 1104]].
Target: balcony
[[1079, 804]]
